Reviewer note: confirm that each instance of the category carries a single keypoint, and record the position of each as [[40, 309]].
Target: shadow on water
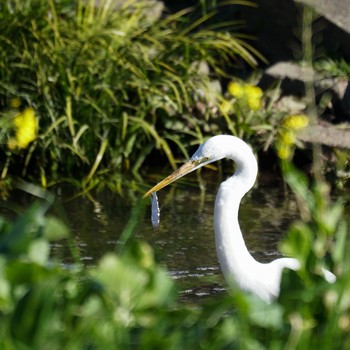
[[184, 244]]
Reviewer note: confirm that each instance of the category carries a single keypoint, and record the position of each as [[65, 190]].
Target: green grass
[[108, 84]]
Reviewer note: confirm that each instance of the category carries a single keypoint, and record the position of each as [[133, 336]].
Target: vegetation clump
[[90, 89], [127, 301], [108, 83]]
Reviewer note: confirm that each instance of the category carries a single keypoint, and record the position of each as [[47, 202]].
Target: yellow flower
[[254, 103], [225, 106], [249, 94], [235, 89], [296, 121], [284, 151], [253, 95], [253, 91], [287, 137], [26, 129], [287, 134]]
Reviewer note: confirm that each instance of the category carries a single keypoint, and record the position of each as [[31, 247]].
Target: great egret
[[237, 265]]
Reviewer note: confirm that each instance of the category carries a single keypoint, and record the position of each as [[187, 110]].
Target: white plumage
[[237, 265]]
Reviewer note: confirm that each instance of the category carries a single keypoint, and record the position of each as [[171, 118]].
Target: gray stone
[[288, 70], [336, 11], [329, 135], [293, 77]]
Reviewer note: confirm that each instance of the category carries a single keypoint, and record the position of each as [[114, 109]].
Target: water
[[184, 244]]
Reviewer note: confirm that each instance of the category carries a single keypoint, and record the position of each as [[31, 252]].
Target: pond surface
[[184, 244]]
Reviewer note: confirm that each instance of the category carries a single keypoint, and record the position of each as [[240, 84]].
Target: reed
[[109, 82]]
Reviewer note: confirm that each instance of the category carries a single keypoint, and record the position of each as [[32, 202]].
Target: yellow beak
[[182, 171]]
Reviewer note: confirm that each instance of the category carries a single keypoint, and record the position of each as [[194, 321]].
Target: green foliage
[[318, 311], [335, 68], [127, 301], [43, 304], [108, 82]]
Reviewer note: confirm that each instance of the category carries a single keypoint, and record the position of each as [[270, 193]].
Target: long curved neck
[[231, 249]]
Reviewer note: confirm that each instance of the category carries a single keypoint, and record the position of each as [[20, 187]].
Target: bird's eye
[[201, 160]]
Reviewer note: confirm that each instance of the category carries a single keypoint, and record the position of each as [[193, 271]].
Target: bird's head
[[215, 148]]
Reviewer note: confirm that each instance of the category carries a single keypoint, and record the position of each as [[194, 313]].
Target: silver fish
[[155, 217]]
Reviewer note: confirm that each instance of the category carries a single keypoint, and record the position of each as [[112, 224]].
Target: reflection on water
[[185, 240]]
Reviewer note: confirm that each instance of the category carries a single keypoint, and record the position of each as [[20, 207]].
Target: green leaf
[[298, 243], [39, 251], [55, 229], [258, 311]]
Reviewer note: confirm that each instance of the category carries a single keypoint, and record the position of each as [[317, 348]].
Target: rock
[[287, 70], [291, 105], [328, 135], [293, 78], [291, 75], [336, 11]]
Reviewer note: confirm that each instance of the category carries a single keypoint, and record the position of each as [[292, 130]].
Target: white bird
[[237, 265]]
